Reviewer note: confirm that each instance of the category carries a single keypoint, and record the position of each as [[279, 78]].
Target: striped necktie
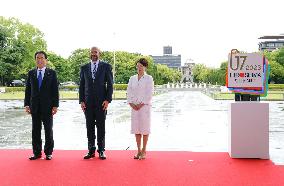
[[95, 71]]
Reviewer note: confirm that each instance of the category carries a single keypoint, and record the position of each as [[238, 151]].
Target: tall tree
[[280, 56], [77, 59], [21, 41], [125, 66], [199, 72], [61, 65], [276, 73]]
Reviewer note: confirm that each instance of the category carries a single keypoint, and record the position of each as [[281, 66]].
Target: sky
[[201, 31]]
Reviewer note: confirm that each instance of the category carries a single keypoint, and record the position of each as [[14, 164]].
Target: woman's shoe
[[142, 156], [137, 156]]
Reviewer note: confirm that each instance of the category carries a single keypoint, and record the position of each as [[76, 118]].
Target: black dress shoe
[[102, 155], [89, 155], [34, 157], [48, 157]]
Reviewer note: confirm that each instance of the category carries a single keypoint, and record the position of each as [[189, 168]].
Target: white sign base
[[249, 130]]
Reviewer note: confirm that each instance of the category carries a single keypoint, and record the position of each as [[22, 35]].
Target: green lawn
[[120, 94], [272, 96]]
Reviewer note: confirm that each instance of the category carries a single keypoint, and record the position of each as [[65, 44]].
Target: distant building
[[186, 70], [271, 43], [168, 50], [172, 61]]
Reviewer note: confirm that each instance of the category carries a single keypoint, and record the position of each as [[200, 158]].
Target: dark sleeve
[[109, 81], [82, 87], [28, 91], [55, 91]]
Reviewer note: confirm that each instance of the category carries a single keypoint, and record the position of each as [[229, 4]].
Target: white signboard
[[245, 70]]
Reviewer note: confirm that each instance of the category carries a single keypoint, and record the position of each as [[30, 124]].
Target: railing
[[187, 86]]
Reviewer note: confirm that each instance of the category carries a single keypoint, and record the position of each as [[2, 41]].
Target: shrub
[[69, 87], [276, 86], [120, 86], [15, 89]]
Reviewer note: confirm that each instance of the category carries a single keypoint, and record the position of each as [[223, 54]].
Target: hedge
[[276, 86], [70, 88], [120, 86], [75, 87], [15, 89]]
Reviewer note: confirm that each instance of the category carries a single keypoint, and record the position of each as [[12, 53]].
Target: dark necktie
[[94, 71], [39, 78]]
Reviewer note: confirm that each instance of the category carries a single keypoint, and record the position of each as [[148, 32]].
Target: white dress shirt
[[42, 72], [94, 64]]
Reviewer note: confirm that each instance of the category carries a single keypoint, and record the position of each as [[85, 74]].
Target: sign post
[[247, 77]]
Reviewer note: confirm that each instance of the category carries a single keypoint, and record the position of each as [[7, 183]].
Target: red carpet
[[160, 168]]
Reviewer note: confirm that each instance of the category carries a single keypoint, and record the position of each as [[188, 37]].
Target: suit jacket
[[44, 98], [94, 92]]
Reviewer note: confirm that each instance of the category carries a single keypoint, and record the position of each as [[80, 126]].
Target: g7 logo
[[244, 58]]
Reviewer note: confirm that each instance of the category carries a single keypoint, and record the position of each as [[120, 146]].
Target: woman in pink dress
[[139, 95]]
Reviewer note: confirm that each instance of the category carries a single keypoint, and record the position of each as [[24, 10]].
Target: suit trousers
[[95, 117], [38, 119]]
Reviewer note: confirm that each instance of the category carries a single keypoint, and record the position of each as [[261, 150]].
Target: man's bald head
[[95, 53]]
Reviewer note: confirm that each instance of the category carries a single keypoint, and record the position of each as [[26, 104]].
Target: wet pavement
[[181, 121]]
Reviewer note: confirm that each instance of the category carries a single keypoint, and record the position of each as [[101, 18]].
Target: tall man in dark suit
[[95, 93], [41, 101]]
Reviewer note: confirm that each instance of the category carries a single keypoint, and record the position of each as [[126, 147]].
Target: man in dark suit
[[41, 101], [95, 93]]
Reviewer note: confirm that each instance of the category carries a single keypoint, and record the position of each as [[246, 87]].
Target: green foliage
[[280, 56], [201, 73], [18, 43], [76, 87], [15, 89], [78, 58], [120, 86], [276, 87], [125, 66], [62, 66], [276, 73], [69, 87], [162, 74], [276, 61]]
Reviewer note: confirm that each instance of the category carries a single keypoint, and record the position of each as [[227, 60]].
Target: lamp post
[[114, 57]]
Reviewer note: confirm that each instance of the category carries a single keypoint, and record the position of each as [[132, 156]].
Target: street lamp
[[114, 57]]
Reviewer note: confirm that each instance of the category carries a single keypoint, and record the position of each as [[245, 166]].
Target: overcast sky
[[202, 30]]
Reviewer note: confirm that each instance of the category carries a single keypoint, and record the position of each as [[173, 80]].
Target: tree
[[61, 65], [276, 61], [76, 60], [19, 42], [4, 66], [276, 73], [280, 56], [199, 72], [10, 56]]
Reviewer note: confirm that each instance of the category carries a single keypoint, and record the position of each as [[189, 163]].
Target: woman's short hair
[[143, 61]]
